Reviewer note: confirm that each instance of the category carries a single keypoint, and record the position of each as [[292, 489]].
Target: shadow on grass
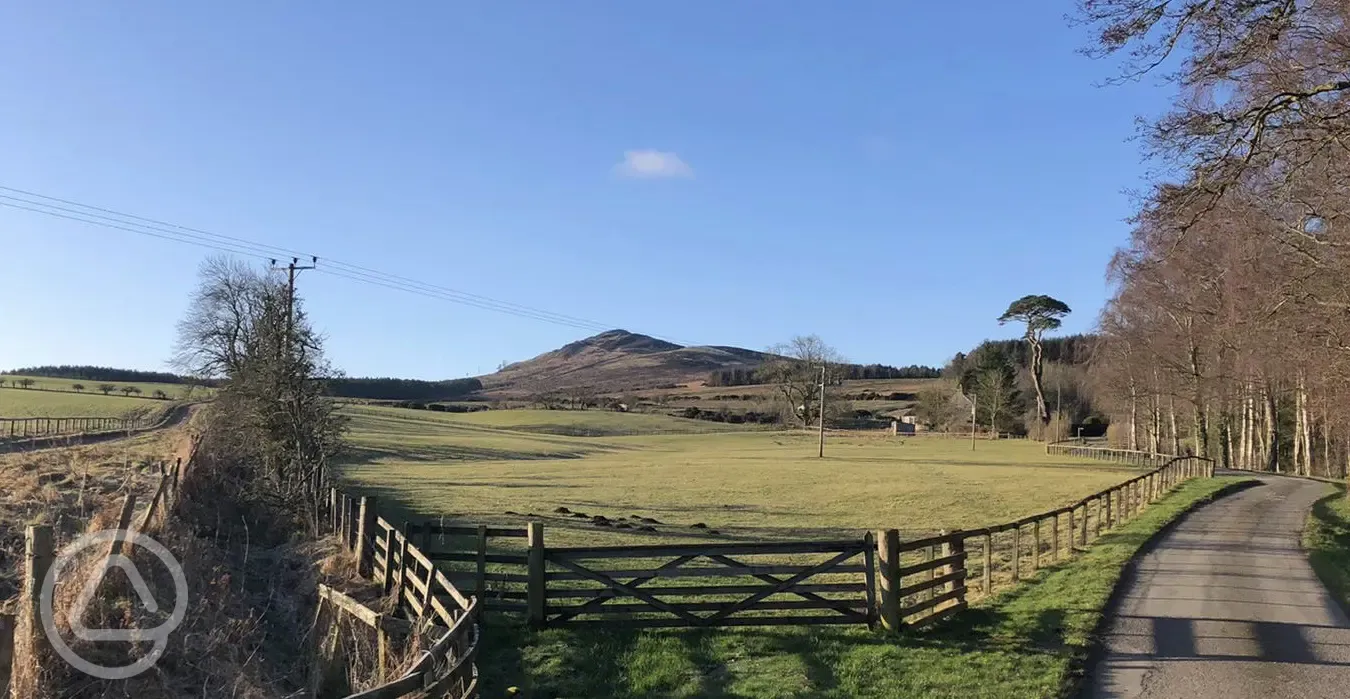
[[796, 661]]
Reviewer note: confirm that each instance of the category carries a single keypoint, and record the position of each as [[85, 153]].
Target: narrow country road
[[1227, 607]]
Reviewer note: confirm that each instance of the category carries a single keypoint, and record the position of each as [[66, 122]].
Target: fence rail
[[1119, 456], [29, 427], [876, 578], [448, 669]]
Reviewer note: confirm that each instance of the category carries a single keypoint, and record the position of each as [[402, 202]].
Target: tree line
[[851, 372], [401, 389], [84, 372], [1228, 334]]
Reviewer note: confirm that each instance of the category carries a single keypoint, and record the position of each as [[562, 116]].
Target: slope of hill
[[615, 360]]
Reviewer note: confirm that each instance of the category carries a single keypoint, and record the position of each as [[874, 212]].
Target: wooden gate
[[807, 582]]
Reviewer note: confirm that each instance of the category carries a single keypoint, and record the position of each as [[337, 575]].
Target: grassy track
[[1025, 643], [1326, 538], [746, 484]]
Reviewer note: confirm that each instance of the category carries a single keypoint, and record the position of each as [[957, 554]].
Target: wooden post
[[1082, 531], [6, 652], [1054, 537], [480, 576], [536, 587], [123, 522], [1017, 553], [988, 580], [390, 536], [870, 577], [929, 554], [1110, 520], [1072, 529], [39, 553], [348, 521], [333, 514], [888, 555], [957, 545], [1100, 515], [1035, 546], [365, 530]]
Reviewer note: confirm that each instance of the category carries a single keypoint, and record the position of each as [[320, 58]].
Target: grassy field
[[18, 402], [1028, 642], [746, 484]]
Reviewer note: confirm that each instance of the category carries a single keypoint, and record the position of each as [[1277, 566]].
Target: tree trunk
[[1037, 371], [1272, 432], [1134, 416], [1172, 417]]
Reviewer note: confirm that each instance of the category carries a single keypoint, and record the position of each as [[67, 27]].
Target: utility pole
[[291, 269], [821, 454]]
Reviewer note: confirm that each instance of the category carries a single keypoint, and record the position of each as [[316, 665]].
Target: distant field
[[746, 484], [16, 402], [175, 391]]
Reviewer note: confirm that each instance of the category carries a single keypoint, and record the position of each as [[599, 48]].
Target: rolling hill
[[616, 360]]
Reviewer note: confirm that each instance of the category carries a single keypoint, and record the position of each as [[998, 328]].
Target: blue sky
[[886, 175]]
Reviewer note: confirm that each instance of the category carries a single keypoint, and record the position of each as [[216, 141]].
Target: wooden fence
[[29, 427], [40, 554], [870, 579], [421, 591], [999, 556], [1119, 456]]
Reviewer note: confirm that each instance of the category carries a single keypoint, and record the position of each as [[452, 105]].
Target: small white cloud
[[652, 164]]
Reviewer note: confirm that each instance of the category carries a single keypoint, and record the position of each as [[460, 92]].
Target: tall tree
[[1040, 314]]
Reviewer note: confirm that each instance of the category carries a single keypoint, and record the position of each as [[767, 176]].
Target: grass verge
[[1326, 538], [1030, 641]]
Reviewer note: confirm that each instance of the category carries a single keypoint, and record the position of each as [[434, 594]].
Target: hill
[[616, 360]]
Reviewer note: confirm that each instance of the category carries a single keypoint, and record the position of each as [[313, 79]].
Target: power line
[[122, 221]]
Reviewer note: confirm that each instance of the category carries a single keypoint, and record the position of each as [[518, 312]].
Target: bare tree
[[106, 388], [26, 383], [271, 430], [79, 387], [794, 370]]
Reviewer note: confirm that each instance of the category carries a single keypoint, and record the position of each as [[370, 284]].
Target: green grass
[[1326, 538], [16, 402], [747, 484], [1027, 642]]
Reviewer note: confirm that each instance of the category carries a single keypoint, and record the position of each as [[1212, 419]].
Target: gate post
[[365, 533], [888, 555], [957, 546], [536, 588]]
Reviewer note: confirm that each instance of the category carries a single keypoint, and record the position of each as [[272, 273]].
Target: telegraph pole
[[821, 453], [291, 270]]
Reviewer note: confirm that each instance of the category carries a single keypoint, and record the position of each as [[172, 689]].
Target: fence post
[[389, 538], [1017, 552], [405, 538], [957, 545], [480, 574], [1072, 529], [1035, 546], [536, 590], [870, 577], [334, 516], [1082, 527], [888, 555], [6, 652], [987, 585], [365, 527], [39, 553], [1054, 537]]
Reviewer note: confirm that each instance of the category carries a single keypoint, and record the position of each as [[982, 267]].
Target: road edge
[[1082, 664]]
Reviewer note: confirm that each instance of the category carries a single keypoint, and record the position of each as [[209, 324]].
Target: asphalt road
[[1226, 607]]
